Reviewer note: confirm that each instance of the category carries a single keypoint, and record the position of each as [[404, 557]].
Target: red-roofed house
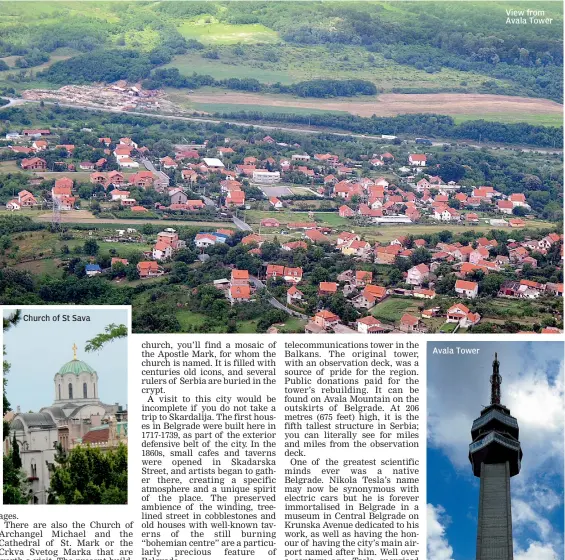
[[162, 251], [346, 212], [293, 295], [33, 164], [239, 277], [325, 319], [147, 269], [370, 325], [275, 271], [417, 159], [505, 206], [270, 222], [466, 289], [410, 323], [387, 254], [235, 198], [417, 275], [327, 288], [275, 203], [293, 274], [363, 277]]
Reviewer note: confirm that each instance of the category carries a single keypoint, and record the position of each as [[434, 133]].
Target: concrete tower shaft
[[495, 455]]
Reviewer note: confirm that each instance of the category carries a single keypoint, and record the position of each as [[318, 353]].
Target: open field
[[209, 31], [233, 108], [190, 321], [48, 266], [470, 105], [541, 119], [40, 244], [333, 219], [86, 217], [293, 63], [391, 309]]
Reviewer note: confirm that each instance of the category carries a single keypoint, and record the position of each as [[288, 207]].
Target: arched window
[[84, 391], [59, 391], [70, 390]]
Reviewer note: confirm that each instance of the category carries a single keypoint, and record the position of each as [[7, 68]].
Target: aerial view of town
[[285, 167]]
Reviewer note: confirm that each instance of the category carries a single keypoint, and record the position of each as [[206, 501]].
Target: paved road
[[255, 125], [208, 201], [163, 177], [241, 224], [275, 302]]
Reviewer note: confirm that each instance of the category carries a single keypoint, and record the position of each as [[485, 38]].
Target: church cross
[[74, 351]]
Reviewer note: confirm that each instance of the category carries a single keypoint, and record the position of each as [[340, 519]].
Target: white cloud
[[438, 547], [457, 392], [542, 497], [537, 551], [523, 516]]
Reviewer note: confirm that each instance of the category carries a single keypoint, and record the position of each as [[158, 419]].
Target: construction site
[[119, 96]]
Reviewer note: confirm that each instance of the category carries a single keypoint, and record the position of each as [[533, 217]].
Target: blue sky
[[532, 387], [36, 351]]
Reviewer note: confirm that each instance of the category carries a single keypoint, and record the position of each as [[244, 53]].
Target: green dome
[[76, 367]]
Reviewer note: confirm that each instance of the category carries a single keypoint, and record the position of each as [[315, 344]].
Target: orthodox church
[[76, 417]]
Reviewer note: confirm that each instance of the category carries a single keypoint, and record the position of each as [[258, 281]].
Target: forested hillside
[[427, 36]]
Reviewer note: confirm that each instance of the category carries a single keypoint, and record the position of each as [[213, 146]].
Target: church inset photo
[[495, 450], [65, 406]]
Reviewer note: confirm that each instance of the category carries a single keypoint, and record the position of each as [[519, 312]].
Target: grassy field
[[333, 219], [391, 309], [209, 31], [45, 244], [48, 266], [295, 63], [292, 325], [233, 108], [190, 321], [549, 119]]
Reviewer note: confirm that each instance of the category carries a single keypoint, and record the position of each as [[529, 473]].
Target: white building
[[266, 177], [213, 163], [76, 411]]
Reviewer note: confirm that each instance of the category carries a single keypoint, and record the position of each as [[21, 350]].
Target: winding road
[[275, 302]]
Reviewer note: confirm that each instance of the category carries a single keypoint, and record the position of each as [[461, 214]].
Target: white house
[[266, 177], [213, 163], [467, 289], [419, 160], [162, 251], [204, 240], [417, 275]]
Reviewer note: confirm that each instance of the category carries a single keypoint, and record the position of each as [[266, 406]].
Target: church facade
[[76, 417]]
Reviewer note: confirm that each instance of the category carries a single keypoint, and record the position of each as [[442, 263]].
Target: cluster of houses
[[374, 199], [383, 202], [364, 294], [167, 244]]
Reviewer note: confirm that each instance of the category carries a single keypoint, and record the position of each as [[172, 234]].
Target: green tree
[[111, 332], [90, 476], [16, 459], [91, 247]]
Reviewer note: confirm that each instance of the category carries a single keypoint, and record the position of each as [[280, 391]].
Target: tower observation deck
[[495, 455]]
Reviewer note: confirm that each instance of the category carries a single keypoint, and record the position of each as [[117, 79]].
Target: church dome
[[77, 367]]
